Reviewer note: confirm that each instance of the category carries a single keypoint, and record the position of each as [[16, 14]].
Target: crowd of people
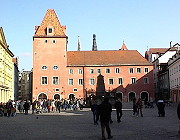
[[10, 108], [57, 105]]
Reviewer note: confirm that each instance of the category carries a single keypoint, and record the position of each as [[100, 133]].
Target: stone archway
[[42, 96], [119, 95], [56, 97], [131, 96], [144, 95], [71, 96]]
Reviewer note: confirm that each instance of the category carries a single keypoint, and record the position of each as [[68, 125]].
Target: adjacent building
[[159, 58], [15, 78], [58, 73], [174, 76], [25, 85], [6, 70]]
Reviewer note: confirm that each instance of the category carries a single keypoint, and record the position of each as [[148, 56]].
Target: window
[[146, 70], [80, 81], [98, 70], [80, 71], [131, 70], [146, 80], [120, 81], [55, 67], [75, 89], [54, 41], [117, 70], [133, 80], [55, 80], [44, 67], [44, 80], [49, 30], [70, 81], [70, 71], [138, 70], [91, 71], [92, 81], [46, 41], [57, 89], [111, 81], [107, 70]]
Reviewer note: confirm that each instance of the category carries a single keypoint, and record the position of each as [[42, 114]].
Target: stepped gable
[[50, 19], [105, 58]]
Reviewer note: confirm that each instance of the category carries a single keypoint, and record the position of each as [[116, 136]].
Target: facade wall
[[6, 71], [174, 77], [49, 55]]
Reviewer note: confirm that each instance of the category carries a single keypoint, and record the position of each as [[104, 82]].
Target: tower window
[[49, 30]]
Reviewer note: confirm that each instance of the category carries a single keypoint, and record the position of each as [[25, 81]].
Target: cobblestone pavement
[[78, 125]]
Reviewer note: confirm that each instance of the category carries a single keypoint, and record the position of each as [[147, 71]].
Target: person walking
[[134, 107], [104, 111], [161, 106], [94, 109], [178, 110], [139, 107], [118, 107], [26, 107]]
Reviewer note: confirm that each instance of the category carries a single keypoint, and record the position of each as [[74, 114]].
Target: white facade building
[[174, 77]]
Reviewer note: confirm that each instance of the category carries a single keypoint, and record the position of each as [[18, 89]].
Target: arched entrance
[[42, 96], [71, 96], [144, 95], [119, 95], [56, 97], [131, 96]]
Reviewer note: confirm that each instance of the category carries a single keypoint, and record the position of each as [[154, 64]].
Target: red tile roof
[[105, 58], [50, 19], [158, 50]]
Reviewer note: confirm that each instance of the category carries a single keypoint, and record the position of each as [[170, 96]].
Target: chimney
[[170, 44]]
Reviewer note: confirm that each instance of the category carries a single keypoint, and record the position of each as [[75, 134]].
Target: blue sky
[[140, 23]]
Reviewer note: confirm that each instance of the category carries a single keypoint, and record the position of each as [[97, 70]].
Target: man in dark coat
[[26, 107], [161, 106], [104, 111], [94, 109], [118, 107], [178, 110]]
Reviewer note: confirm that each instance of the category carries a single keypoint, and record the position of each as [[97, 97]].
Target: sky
[[141, 24]]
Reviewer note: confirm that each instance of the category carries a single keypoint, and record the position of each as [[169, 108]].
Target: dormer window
[[50, 30]]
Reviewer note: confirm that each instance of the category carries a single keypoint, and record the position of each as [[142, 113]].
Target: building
[[174, 77], [15, 78], [25, 85], [154, 53], [160, 73], [6, 70], [58, 73]]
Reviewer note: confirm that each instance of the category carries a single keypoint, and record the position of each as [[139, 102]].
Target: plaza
[[78, 125]]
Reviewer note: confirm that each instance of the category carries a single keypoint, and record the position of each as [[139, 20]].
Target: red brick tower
[[49, 57]]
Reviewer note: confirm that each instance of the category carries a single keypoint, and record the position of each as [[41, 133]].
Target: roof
[[158, 50], [3, 42], [50, 19], [124, 47], [105, 58]]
